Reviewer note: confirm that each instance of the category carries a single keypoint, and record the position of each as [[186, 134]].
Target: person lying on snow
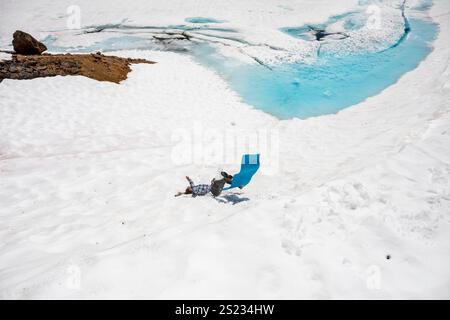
[[215, 187]]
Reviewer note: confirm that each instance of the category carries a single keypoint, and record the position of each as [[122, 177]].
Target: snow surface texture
[[87, 175]]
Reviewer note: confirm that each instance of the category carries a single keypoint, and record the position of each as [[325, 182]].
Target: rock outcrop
[[25, 44], [95, 66]]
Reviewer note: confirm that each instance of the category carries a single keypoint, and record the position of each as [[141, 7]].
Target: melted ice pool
[[202, 20], [298, 89], [332, 83]]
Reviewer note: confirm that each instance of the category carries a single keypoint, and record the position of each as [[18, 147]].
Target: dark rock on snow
[[25, 44]]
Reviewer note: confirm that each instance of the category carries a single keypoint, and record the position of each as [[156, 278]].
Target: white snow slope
[[88, 171]]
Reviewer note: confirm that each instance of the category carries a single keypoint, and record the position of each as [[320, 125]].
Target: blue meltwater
[[331, 83]]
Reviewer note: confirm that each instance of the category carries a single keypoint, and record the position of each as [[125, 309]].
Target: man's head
[[188, 190], [227, 177]]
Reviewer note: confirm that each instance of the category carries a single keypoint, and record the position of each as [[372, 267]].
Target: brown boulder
[[25, 44]]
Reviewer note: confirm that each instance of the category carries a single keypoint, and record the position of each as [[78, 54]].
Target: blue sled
[[249, 166]]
